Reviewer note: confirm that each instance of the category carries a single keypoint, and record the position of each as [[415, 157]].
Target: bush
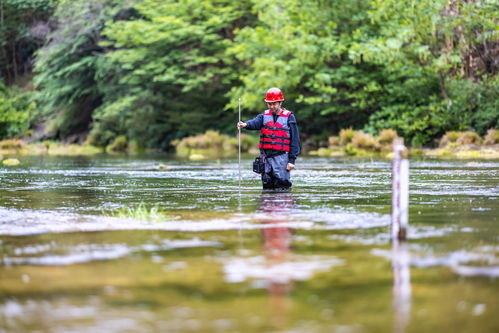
[[492, 137], [346, 136], [333, 141], [469, 138], [119, 145], [449, 137], [350, 150], [249, 142], [387, 136], [385, 139], [363, 140], [213, 143], [16, 110], [12, 144], [210, 139], [455, 139], [475, 104]]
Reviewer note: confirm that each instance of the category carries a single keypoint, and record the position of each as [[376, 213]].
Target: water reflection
[[401, 285], [276, 207]]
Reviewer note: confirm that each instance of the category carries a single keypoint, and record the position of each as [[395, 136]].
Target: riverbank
[[16, 147], [460, 145], [464, 152], [209, 145]]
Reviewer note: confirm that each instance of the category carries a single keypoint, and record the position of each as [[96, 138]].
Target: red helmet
[[274, 95]]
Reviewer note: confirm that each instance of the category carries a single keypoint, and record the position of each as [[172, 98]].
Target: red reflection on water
[[277, 249]]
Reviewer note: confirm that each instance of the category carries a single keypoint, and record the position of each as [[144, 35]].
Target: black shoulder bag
[[259, 164]]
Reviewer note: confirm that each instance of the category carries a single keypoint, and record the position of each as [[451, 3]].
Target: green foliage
[[475, 104], [119, 145], [159, 70], [428, 45], [22, 31], [169, 71], [417, 123], [66, 68], [16, 109], [302, 47]]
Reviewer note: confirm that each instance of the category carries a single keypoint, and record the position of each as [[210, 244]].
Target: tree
[[67, 66], [23, 28], [429, 44], [170, 71], [158, 70]]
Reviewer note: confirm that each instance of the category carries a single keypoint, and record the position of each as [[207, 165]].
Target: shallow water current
[[231, 258]]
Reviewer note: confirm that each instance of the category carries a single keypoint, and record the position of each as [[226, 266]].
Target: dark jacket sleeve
[[294, 149], [255, 123]]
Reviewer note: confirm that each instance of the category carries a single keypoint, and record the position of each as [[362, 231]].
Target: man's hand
[[290, 166], [241, 124]]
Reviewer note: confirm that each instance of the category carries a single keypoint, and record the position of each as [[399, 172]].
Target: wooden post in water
[[400, 190]]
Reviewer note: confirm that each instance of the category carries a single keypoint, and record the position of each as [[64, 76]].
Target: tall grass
[[141, 212]]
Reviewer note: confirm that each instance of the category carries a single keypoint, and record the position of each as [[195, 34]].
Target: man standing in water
[[279, 140]]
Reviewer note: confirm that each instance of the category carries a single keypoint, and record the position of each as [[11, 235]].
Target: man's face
[[274, 106]]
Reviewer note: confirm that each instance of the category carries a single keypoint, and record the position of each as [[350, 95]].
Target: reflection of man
[[277, 247]]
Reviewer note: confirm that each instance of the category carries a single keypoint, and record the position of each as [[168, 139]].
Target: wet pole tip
[[239, 143]]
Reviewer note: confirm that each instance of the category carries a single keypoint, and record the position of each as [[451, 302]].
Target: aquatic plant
[[141, 212], [463, 153], [58, 149], [482, 153], [163, 167], [350, 150]]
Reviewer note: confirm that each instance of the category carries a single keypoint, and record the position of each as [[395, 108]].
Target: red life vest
[[275, 136]]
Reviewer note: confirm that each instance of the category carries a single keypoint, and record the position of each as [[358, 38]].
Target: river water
[[230, 258]]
